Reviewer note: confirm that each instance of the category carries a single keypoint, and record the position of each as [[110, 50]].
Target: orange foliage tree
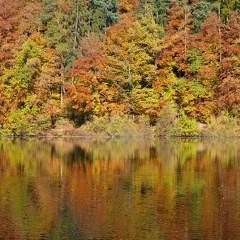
[[127, 5], [228, 91], [89, 89]]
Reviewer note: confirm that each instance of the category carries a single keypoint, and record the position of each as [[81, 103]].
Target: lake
[[119, 189]]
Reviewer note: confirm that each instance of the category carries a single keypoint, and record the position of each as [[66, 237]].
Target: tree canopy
[[78, 59]]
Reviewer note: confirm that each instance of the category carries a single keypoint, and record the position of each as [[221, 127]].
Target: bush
[[118, 125], [167, 121], [170, 123], [187, 127], [96, 126], [222, 126], [20, 123]]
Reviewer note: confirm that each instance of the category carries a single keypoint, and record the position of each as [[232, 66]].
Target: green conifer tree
[[200, 11], [104, 13]]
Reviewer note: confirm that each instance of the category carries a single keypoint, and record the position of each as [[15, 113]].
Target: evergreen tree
[[104, 13], [237, 6], [200, 11], [80, 20], [57, 28], [47, 11]]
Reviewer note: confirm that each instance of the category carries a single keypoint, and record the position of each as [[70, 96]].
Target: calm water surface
[[119, 189]]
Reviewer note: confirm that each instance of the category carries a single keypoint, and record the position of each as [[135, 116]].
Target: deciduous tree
[[229, 70], [89, 89]]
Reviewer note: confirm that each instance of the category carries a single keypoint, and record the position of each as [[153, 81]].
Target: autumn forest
[[108, 64]]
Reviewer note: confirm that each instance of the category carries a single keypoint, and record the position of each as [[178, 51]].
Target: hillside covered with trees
[[173, 65]]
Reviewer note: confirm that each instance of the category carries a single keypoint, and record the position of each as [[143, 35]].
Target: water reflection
[[119, 189]]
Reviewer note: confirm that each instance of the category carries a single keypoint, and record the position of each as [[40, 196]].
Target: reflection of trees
[[116, 149], [29, 157], [161, 189], [27, 205]]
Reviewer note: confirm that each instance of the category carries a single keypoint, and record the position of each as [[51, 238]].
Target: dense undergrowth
[[171, 123]]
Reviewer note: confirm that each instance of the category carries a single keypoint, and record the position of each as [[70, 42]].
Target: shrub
[[171, 124], [187, 127], [118, 125], [167, 121], [20, 123], [222, 126]]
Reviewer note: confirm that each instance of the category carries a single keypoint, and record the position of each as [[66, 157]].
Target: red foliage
[[17, 22], [208, 40], [87, 74]]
